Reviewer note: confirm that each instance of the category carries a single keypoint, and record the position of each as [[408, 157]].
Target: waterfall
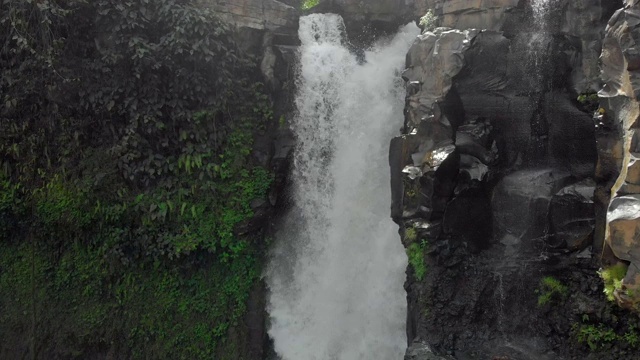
[[337, 269], [539, 69], [541, 10]]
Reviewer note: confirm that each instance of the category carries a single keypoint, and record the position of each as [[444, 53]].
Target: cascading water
[[337, 270], [540, 38], [539, 70], [540, 11]]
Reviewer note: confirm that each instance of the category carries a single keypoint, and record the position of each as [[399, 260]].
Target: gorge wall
[[513, 182]]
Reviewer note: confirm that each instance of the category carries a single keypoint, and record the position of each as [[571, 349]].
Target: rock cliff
[[505, 182]]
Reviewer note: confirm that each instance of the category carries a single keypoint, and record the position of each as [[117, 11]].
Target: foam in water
[[337, 270]]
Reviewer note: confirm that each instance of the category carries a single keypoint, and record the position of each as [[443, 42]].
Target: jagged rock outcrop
[[618, 135]]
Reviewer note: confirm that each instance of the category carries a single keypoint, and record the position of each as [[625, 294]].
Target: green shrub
[[612, 277]]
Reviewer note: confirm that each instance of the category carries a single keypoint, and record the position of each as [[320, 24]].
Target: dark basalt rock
[[520, 206], [473, 229]]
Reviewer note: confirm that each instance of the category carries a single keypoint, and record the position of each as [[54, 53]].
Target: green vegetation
[[612, 277], [410, 234], [415, 253], [411, 189], [587, 97], [551, 289], [428, 21], [126, 179], [589, 101], [600, 335], [594, 336], [308, 4]]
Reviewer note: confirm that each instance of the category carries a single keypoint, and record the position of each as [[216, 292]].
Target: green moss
[[410, 234], [612, 277], [551, 288]]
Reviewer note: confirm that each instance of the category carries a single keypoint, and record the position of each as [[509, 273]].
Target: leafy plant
[[551, 288], [589, 101], [428, 21], [597, 336], [632, 337], [612, 277], [594, 336]]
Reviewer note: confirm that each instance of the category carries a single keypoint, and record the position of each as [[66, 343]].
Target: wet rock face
[[572, 216], [479, 108], [520, 204], [617, 129]]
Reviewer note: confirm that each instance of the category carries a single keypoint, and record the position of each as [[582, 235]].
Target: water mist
[[337, 270]]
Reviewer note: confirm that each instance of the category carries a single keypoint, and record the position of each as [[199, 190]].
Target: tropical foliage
[[126, 178]]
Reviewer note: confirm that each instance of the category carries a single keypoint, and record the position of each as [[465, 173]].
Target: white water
[[541, 10], [337, 271], [540, 37]]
